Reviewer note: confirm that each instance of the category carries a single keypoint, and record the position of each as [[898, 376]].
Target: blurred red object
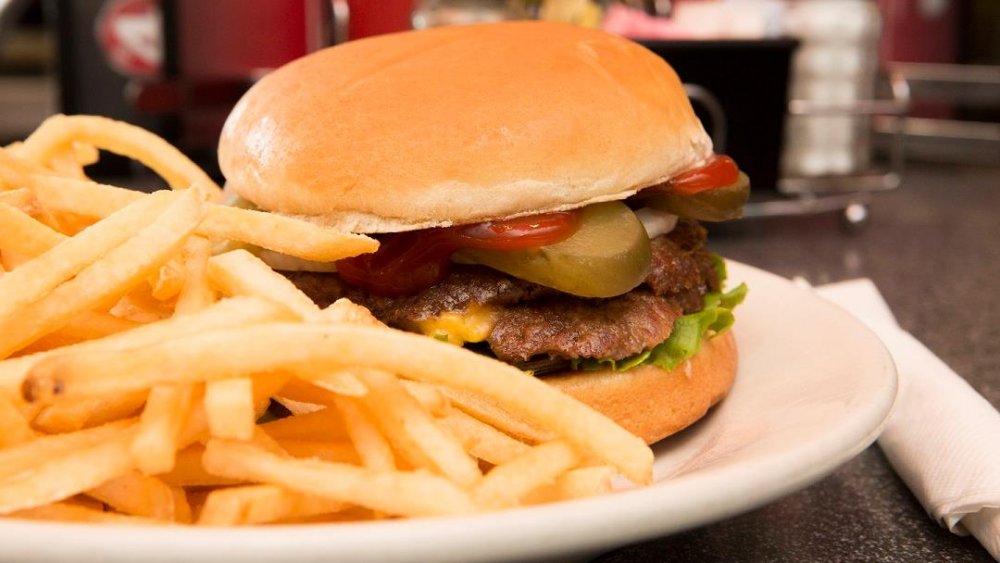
[[222, 39], [129, 32], [920, 31], [375, 17], [923, 31]]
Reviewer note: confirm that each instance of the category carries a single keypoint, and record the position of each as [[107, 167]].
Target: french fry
[[344, 311], [240, 273], [298, 407], [287, 235], [183, 512], [65, 163], [69, 224], [507, 483], [85, 154], [229, 408], [111, 409], [15, 170], [23, 199], [265, 442], [305, 392], [107, 278], [325, 424], [57, 132], [9, 260], [340, 452], [582, 482], [195, 293], [137, 309], [64, 476], [69, 417], [402, 493], [195, 428], [339, 382], [28, 455], [258, 504], [265, 386], [88, 325], [138, 495], [481, 440], [489, 411], [26, 200], [160, 425], [14, 427], [138, 305], [370, 445], [429, 396], [168, 281], [91, 325], [351, 514], [25, 235], [63, 261], [71, 512], [280, 345], [83, 197], [83, 500], [237, 311], [189, 472], [413, 432]]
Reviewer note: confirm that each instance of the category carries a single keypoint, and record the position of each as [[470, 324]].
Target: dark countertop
[[933, 248]]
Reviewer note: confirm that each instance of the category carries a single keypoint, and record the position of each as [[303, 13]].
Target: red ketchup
[[407, 263], [719, 171]]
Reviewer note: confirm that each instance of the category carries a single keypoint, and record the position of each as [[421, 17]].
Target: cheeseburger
[[536, 190]]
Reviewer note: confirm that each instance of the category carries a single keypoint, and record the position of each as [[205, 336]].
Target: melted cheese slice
[[473, 325]]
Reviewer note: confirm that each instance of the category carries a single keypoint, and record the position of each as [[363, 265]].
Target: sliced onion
[[286, 263], [656, 222]]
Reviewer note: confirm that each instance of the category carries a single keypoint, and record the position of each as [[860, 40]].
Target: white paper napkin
[[942, 438]]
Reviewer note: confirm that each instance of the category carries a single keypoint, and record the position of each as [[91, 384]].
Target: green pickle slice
[[718, 204], [608, 255]]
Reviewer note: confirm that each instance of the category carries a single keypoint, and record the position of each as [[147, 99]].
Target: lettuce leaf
[[689, 331]]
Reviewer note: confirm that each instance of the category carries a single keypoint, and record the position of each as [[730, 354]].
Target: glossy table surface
[[933, 248]]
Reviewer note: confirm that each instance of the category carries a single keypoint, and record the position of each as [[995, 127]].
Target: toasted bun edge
[[654, 403]]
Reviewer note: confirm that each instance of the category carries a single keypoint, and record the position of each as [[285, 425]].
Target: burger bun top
[[460, 125]]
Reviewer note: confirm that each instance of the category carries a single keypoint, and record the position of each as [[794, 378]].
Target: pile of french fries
[[144, 352]]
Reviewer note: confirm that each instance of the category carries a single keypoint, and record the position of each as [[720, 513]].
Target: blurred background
[[821, 101], [839, 110]]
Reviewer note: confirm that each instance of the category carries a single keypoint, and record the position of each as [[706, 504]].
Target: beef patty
[[569, 327], [534, 320]]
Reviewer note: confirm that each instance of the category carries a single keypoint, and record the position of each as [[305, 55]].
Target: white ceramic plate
[[813, 390]]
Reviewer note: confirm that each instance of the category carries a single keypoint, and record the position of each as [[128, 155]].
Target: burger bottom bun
[[654, 403]]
